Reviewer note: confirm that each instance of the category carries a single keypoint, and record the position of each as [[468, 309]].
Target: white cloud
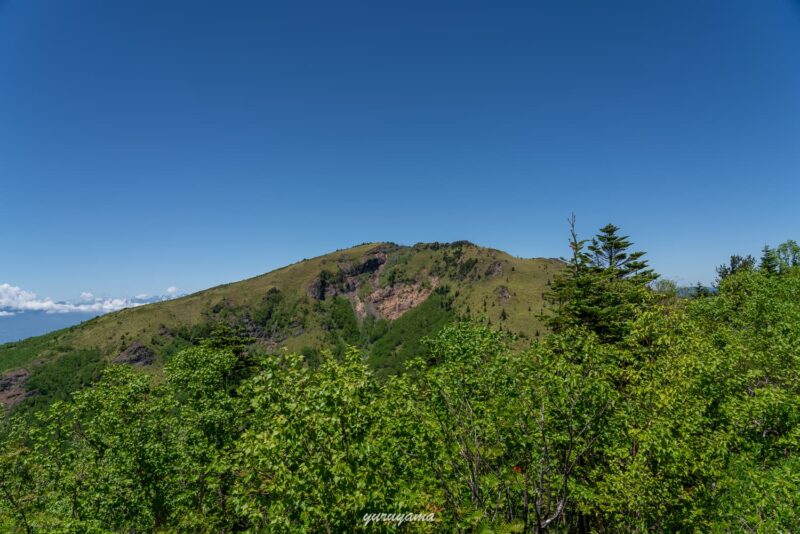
[[141, 296], [15, 299]]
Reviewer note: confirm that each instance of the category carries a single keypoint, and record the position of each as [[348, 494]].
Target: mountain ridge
[[382, 297]]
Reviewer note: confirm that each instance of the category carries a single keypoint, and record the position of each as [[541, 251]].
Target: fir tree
[[601, 289], [700, 291], [770, 263], [610, 253]]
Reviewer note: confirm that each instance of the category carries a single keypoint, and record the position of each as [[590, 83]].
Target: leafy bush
[[688, 420], [63, 376]]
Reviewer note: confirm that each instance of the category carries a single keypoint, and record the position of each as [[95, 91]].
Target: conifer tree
[[736, 264], [769, 260], [610, 253], [600, 290], [700, 291]]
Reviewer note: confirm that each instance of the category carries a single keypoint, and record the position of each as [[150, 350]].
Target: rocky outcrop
[[136, 354], [392, 302], [326, 285], [495, 269], [368, 298], [12, 387], [348, 278], [503, 294], [368, 264]]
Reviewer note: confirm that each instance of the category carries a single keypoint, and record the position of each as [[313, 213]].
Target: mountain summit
[[381, 297]]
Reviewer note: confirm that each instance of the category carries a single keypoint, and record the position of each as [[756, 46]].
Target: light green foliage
[[309, 458], [686, 420], [788, 254], [511, 460], [126, 454], [665, 287]]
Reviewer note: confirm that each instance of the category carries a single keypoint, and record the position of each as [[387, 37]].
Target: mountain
[[382, 297]]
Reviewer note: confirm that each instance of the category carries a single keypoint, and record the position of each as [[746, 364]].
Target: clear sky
[[147, 144]]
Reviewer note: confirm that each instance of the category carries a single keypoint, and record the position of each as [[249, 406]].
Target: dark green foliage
[[65, 375], [374, 329], [601, 290], [390, 277], [269, 312], [327, 280], [167, 348], [769, 264], [227, 337], [21, 353], [609, 253], [341, 324], [395, 271], [311, 356], [737, 263], [403, 337], [465, 269], [456, 265], [788, 255], [276, 317], [700, 291]]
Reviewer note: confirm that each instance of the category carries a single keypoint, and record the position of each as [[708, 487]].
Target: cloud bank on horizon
[[15, 300]]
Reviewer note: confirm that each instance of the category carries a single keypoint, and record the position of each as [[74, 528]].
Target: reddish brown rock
[[12, 387]]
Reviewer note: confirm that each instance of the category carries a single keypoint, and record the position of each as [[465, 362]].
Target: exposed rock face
[[388, 302], [495, 269], [361, 308], [392, 302], [503, 295], [347, 280], [326, 285], [135, 354], [369, 264], [12, 387]]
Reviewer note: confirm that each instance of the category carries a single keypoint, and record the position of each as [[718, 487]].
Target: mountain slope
[[380, 296]]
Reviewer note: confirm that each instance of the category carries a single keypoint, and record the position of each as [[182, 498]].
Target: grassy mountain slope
[[379, 296]]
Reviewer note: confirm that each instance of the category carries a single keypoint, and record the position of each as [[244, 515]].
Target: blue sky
[[152, 144]]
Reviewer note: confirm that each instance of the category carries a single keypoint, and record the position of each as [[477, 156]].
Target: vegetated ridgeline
[[381, 297], [639, 410]]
